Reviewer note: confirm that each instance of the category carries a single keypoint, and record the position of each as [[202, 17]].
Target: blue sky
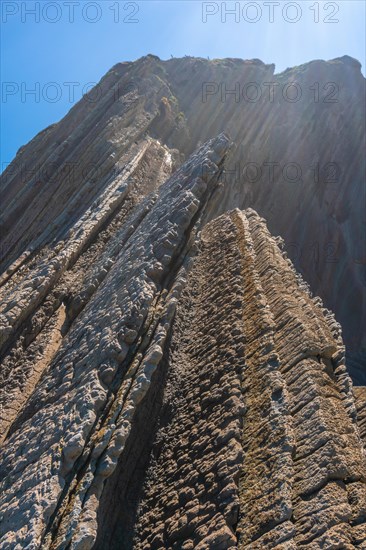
[[46, 45]]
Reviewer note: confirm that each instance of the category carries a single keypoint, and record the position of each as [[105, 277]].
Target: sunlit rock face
[[298, 160], [168, 378]]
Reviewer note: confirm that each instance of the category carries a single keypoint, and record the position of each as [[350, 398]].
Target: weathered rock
[[299, 162], [168, 379]]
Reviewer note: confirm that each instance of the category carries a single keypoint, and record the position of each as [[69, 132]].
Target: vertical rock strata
[[68, 272], [298, 161], [168, 380], [191, 495], [68, 436], [302, 482], [172, 383], [258, 445]]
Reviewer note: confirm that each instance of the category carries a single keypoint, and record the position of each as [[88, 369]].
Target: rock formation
[[298, 161], [168, 379]]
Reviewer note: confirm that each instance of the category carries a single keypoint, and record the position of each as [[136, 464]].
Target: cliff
[[168, 379], [298, 161]]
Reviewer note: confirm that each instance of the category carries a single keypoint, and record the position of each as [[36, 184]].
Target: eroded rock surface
[[298, 161], [168, 380]]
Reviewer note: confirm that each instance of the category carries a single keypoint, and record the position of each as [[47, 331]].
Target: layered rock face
[[298, 161], [168, 379]]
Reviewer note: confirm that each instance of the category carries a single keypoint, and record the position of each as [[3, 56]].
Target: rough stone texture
[[168, 380], [360, 395], [69, 273], [320, 214]]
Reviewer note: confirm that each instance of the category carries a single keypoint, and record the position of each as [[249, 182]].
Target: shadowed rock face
[[168, 379]]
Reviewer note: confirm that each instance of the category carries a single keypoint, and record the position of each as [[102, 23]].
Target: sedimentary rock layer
[[34, 294], [120, 313], [258, 445], [298, 161], [172, 383]]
